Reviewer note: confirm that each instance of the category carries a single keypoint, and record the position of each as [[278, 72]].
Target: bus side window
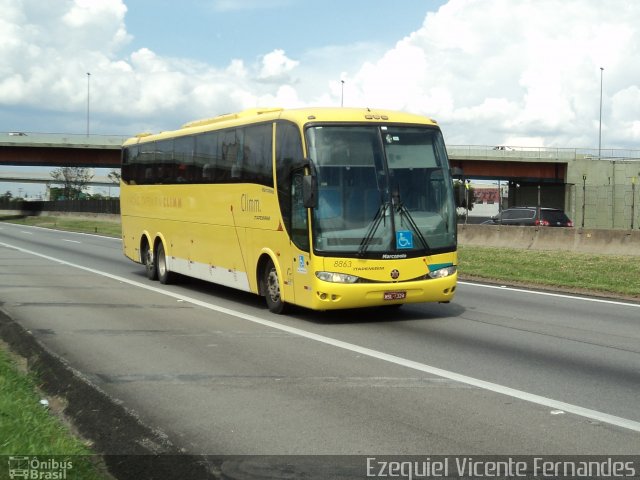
[[146, 159], [229, 156], [183, 153], [257, 158], [130, 165], [299, 223], [205, 155]]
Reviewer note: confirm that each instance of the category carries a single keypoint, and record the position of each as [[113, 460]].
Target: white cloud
[[276, 66], [48, 47], [239, 5], [97, 23], [491, 71]]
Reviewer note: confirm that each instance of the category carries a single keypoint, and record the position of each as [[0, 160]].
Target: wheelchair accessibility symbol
[[404, 239]]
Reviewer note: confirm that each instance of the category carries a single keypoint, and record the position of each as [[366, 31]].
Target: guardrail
[[486, 152]]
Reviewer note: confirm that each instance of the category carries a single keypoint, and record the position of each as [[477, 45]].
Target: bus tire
[[271, 284], [164, 275], [149, 262]]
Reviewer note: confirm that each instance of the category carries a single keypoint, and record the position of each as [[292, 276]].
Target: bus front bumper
[[332, 296]]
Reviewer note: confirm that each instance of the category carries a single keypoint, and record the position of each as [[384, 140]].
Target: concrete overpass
[[60, 150], [545, 165], [597, 189]]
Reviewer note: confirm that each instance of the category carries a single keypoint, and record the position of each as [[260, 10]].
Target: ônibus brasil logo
[[34, 468]]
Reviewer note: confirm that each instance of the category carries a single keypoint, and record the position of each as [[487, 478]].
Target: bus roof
[[300, 116]]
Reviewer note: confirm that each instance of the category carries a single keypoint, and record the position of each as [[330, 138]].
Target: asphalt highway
[[497, 371]]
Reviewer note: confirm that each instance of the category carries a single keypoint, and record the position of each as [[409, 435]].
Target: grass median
[[90, 224], [607, 275]]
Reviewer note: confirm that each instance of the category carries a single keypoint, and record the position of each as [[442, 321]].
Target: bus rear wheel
[[149, 262], [271, 289], [164, 275]]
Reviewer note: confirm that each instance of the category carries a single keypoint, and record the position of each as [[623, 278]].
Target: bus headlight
[[442, 272], [336, 277]]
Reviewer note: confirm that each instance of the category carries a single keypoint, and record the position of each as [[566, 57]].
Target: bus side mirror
[[309, 191]]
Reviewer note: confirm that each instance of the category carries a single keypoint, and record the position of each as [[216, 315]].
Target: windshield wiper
[[404, 213], [375, 222]]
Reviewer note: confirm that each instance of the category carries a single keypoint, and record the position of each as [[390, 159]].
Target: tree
[[114, 176], [73, 179], [465, 194]]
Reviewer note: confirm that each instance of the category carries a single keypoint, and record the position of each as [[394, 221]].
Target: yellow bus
[[325, 208]]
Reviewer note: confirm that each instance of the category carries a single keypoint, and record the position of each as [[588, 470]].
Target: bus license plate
[[395, 295]]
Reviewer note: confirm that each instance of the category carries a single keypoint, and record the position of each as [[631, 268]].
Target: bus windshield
[[383, 191]]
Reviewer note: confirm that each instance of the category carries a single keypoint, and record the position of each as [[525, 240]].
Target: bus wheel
[[272, 289], [149, 263], [164, 275]]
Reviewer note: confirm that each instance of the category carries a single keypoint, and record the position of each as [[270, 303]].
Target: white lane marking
[[493, 387], [26, 233], [71, 241], [551, 294]]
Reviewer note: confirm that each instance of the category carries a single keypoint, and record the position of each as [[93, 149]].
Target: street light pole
[[342, 94], [600, 128], [584, 196], [88, 98]]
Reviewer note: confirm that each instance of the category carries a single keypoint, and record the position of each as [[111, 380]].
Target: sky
[[491, 72]]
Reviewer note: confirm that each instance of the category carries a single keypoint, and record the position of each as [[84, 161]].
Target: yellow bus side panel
[[220, 244]]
